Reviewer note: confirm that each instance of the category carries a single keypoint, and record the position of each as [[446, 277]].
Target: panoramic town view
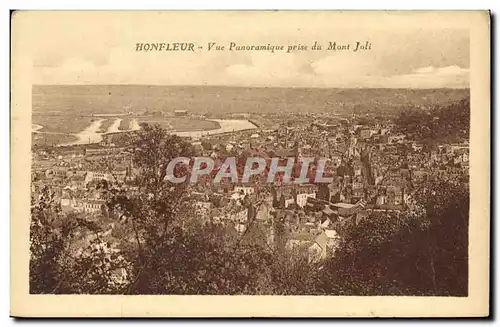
[[388, 217], [308, 155]]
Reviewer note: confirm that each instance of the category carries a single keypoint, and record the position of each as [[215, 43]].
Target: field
[[106, 124], [181, 124], [124, 124], [61, 123], [67, 124], [40, 139]]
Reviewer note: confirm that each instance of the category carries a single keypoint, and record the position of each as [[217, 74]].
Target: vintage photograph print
[[286, 163]]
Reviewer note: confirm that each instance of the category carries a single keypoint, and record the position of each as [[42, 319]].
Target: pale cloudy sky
[[99, 48]]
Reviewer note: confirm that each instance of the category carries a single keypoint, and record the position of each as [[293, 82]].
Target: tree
[[420, 252], [60, 263], [177, 255], [158, 205], [46, 244], [206, 144], [441, 124]]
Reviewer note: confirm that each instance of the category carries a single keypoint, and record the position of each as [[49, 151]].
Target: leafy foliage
[[423, 252], [437, 125], [163, 248]]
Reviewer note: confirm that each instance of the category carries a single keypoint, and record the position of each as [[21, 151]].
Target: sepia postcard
[[250, 163]]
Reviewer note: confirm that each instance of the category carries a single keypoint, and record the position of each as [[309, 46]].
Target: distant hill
[[85, 99]]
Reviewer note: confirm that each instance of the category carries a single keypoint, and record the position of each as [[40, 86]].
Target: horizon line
[[266, 86]]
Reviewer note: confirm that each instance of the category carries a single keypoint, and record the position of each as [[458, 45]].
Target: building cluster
[[372, 167]]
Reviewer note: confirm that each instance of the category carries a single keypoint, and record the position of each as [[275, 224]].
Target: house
[[198, 147], [326, 222], [381, 200], [360, 215], [202, 208], [96, 176], [358, 193], [315, 246], [419, 175], [68, 205], [461, 156], [328, 213], [347, 209], [434, 156], [264, 212], [365, 133], [216, 215], [302, 198], [245, 190], [180, 113], [300, 240], [394, 195], [358, 168], [119, 276], [94, 206], [417, 147], [238, 215], [333, 240], [395, 139], [237, 196], [336, 160], [357, 183], [319, 249], [240, 228]]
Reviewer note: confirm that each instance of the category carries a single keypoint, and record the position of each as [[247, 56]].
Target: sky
[[407, 51]]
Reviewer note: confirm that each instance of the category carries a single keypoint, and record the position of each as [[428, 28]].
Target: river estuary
[[92, 134]]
